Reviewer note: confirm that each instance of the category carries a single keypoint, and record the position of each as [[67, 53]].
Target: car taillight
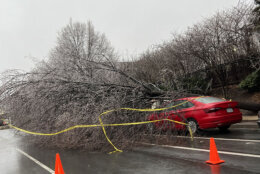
[[212, 110]]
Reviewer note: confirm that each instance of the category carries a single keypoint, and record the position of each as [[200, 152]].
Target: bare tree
[[211, 44], [81, 79]]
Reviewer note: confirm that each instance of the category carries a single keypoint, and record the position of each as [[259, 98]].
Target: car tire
[[193, 125], [224, 128]]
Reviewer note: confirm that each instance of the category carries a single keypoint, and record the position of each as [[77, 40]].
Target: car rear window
[[207, 100]]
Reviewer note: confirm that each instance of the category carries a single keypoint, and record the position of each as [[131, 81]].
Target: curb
[[250, 118]]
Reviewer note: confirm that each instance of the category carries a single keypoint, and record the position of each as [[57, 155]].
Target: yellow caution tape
[[141, 110], [94, 125], [119, 124]]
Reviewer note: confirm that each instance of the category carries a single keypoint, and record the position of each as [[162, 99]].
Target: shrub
[[251, 82]]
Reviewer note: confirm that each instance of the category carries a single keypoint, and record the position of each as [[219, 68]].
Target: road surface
[[240, 148]]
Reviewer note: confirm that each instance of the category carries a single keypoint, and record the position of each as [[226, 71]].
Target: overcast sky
[[29, 28]]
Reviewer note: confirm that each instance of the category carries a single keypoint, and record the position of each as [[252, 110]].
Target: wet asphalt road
[[243, 138]]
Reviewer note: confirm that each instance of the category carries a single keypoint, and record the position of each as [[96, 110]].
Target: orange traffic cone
[[215, 169], [213, 154], [58, 165]]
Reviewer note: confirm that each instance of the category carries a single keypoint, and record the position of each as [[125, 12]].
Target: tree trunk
[[249, 106]]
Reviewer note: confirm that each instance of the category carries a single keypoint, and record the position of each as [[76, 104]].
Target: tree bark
[[249, 106]]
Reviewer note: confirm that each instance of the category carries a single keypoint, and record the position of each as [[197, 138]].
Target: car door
[[165, 114], [185, 109], [172, 114]]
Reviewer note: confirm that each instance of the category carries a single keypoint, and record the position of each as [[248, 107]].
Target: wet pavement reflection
[[143, 159]]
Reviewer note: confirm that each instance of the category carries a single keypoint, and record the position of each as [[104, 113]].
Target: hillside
[[237, 94]]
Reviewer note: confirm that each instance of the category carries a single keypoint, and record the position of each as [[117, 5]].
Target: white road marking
[[241, 128], [205, 150], [222, 139], [36, 161]]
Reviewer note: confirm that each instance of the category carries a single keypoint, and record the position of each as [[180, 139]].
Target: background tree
[[256, 32], [210, 45]]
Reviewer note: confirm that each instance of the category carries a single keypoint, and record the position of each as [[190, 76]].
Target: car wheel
[[193, 125], [224, 128]]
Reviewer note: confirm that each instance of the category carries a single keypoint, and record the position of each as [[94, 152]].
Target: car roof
[[190, 98]]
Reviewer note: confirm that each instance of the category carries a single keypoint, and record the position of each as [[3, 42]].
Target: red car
[[199, 112]]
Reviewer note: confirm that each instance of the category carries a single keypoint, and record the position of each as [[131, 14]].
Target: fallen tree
[[249, 106], [81, 79]]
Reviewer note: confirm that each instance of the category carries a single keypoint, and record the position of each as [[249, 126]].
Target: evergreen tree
[[256, 13]]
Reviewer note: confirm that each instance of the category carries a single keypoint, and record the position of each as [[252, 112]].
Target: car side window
[[178, 102], [186, 104], [170, 105]]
